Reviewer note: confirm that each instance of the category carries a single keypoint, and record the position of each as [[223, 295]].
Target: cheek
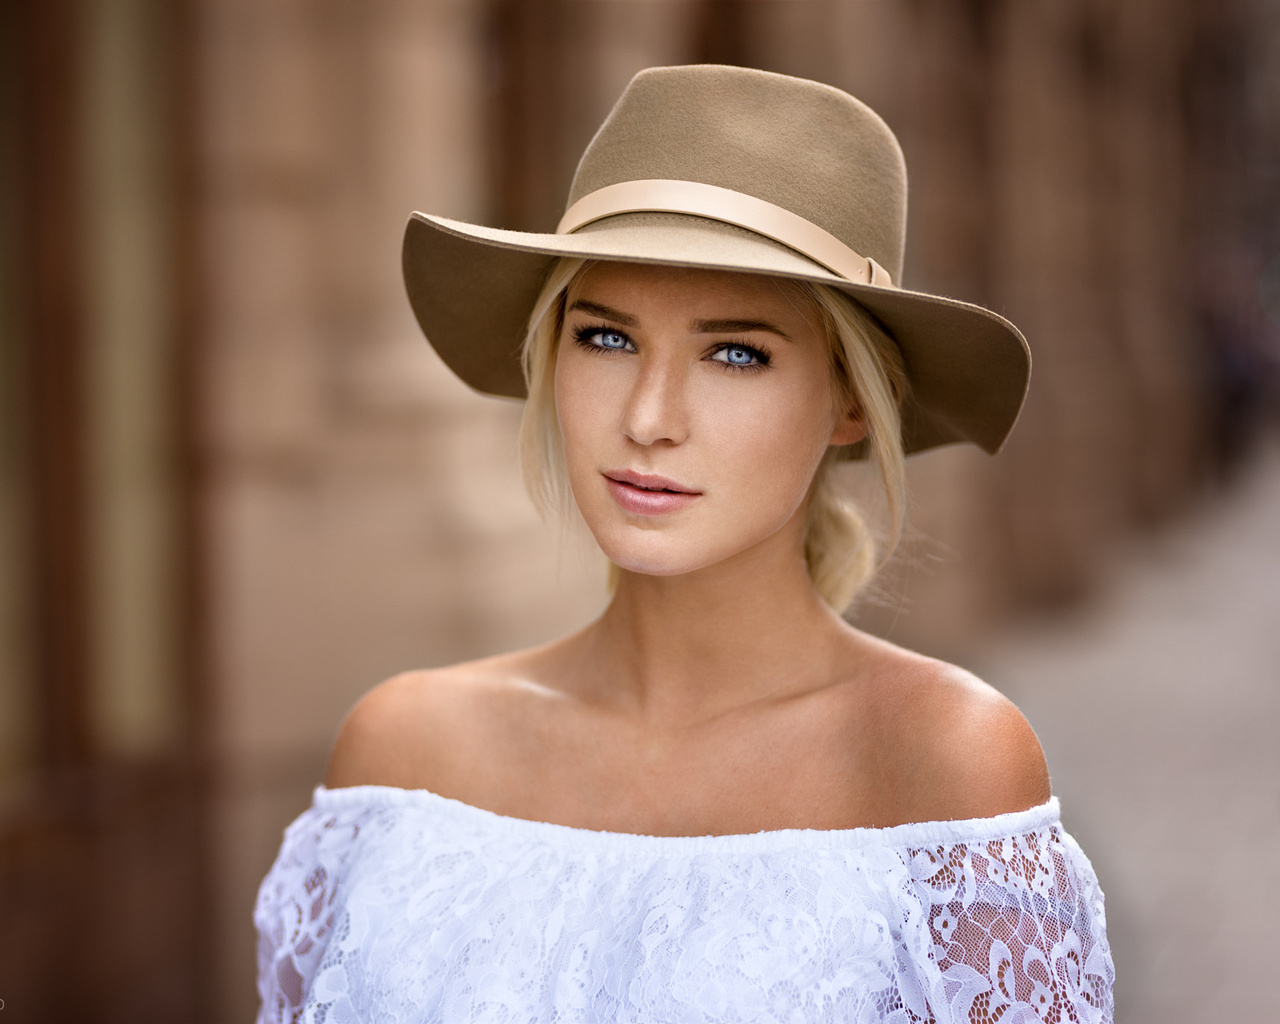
[[773, 447], [566, 397], [583, 406]]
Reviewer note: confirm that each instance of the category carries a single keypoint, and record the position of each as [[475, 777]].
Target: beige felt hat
[[729, 168]]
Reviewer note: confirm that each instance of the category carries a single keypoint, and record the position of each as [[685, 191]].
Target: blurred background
[[237, 489]]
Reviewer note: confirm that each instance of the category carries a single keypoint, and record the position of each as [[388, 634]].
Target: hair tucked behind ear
[[839, 547], [866, 367]]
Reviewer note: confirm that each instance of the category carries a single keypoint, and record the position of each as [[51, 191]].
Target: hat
[[729, 168]]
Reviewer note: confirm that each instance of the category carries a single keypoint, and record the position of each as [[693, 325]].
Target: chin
[[653, 554], [649, 560]]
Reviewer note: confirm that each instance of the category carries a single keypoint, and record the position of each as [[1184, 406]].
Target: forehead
[[646, 290]]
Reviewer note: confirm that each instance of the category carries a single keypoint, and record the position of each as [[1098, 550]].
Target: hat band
[[663, 195]]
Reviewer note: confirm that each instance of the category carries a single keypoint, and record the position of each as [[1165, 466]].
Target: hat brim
[[472, 289]]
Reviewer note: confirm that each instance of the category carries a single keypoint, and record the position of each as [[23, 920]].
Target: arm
[[1017, 924], [300, 901], [297, 909], [1018, 929]]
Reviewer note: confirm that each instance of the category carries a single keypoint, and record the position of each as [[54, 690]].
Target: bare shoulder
[[406, 729], [981, 754], [960, 748]]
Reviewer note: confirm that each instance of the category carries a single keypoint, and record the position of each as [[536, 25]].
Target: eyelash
[[582, 336], [761, 356]]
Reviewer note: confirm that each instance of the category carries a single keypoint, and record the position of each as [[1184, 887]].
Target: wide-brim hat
[[728, 168]]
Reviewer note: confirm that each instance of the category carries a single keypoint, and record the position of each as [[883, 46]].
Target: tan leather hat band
[[661, 195]]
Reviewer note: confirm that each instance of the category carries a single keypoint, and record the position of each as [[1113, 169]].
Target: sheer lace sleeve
[[1017, 929], [297, 909]]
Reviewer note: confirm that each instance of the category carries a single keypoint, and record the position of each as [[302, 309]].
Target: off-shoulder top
[[400, 905]]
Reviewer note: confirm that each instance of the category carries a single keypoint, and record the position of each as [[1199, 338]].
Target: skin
[[717, 693]]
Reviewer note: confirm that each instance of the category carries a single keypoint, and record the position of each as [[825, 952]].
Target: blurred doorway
[[103, 884]]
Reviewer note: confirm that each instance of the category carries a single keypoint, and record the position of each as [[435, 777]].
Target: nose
[[656, 412]]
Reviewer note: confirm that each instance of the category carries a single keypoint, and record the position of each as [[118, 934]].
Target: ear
[[849, 429]]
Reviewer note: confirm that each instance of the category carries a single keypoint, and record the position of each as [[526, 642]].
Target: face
[[695, 407]]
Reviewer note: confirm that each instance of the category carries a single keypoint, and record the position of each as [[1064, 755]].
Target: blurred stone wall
[[365, 512]]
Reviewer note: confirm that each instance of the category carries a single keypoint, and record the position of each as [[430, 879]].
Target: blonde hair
[[840, 549]]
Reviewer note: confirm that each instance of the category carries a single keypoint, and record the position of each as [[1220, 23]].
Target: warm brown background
[[237, 489]]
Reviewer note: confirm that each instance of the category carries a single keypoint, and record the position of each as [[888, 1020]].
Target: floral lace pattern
[[401, 906]]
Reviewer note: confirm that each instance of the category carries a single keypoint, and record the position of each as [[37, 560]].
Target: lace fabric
[[394, 905]]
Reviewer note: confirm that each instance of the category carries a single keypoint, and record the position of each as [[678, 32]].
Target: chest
[[788, 768]]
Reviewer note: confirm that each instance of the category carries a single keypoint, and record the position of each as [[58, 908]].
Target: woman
[[718, 801]]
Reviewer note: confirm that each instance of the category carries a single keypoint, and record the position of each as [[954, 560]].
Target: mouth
[[648, 482], [643, 494]]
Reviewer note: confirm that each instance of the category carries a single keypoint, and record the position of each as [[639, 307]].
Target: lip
[[647, 495]]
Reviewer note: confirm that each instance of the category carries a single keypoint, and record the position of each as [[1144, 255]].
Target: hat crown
[[806, 147]]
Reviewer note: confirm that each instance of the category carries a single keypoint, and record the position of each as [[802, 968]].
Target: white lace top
[[394, 905]]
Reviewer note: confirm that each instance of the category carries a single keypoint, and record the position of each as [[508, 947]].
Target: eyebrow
[[605, 312], [737, 327], [698, 326]]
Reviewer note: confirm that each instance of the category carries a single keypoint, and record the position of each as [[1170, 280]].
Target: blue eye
[[741, 356], [598, 338]]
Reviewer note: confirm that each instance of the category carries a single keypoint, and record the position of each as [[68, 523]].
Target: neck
[[684, 649]]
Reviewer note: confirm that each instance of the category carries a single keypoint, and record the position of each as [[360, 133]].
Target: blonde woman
[[718, 801]]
